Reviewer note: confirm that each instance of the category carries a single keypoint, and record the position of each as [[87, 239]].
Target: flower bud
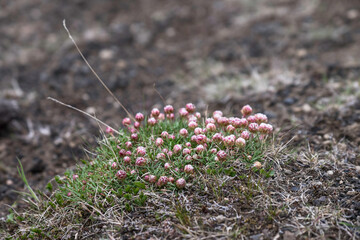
[[177, 148], [109, 130], [155, 112], [152, 178], [163, 180], [160, 156], [211, 127], [152, 121], [189, 169], [126, 121], [167, 165], [140, 161], [114, 165], [183, 132], [192, 125], [183, 112], [159, 142], [245, 135], [240, 142], [253, 127], [186, 151], [139, 117], [246, 110], [168, 109], [121, 174], [180, 183], [127, 160], [164, 134], [221, 155]]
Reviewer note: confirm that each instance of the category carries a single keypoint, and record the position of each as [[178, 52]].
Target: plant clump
[[161, 151]]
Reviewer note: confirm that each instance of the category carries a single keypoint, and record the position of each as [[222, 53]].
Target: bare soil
[[297, 61]]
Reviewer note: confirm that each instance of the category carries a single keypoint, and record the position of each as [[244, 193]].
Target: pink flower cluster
[[181, 149]]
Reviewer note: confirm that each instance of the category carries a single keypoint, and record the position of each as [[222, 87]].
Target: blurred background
[[296, 61]]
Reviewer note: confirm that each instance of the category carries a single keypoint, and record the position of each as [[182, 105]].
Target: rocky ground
[[297, 61]]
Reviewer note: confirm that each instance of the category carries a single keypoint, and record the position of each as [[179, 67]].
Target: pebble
[[9, 182], [330, 173]]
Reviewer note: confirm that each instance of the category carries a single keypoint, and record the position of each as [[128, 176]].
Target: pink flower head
[[253, 127], [167, 165], [180, 183], [251, 119], [237, 122], [132, 172], [168, 109], [152, 178], [198, 131], [195, 156], [199, 148], [171, 136], [165, 150], [217, 137], [159, 142], [213, 150], [193, 138], [109, 130], [128, 145], [163, 180], [161, 117], [134, 136], [265, 128], [200, 139], [192, 118], [170, 116], [139, 117], [224, 121], [146, 178], [114, 165], [198, 115], [240, 142], [192, 125], [183, 112], [246, 110], [221, 155], [164, 134], [188, 158], [132, 130], [122, 152], [136, 125], [126, 121], [75, 176], [171, 179], [188, 144], [155, 112], [245, 135], [186, 151], [177, 148], [190, 107], [261, 118], [69, 194], [127, 160], [160, 156], [183, 132], [211, 127], [169, 153], [218, 113], [189, 169], [209, 120], [121, 174], [230, 128], [140, 161], [152, 121], [128, 153], [140, 151], [229, 140]]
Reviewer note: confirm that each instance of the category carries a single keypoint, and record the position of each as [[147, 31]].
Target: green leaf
[[139, 185]]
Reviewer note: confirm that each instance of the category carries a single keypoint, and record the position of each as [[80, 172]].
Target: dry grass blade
[[96, 75]]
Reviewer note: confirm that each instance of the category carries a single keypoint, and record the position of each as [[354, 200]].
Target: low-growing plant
[[162, 151]]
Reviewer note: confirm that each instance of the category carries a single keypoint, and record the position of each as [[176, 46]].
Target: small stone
[[330, 173], [9, 182], [357, 168], [351, 193], [306, 108]]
